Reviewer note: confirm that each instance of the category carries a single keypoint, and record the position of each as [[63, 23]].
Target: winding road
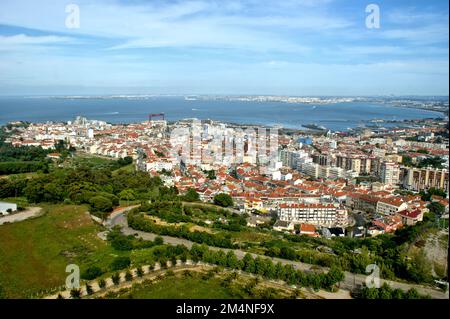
[[118, 218]]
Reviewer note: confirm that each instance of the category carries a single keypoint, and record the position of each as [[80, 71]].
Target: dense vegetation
[[388, 251], [434, 162], [136, 220], [223, 200], [24, 159], [85, 184], [386, 292]]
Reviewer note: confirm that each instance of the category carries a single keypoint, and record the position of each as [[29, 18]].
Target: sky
[[290, 47]]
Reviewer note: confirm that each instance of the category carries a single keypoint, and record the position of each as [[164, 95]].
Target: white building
[[390, 173], [5, 207], [315, 214]]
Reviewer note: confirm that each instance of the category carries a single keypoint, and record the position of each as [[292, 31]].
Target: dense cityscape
[[314, 183]]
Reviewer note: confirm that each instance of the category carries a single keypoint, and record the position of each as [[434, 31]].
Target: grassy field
[[203, 285], [128, 169], [34, 253], [178, 288]]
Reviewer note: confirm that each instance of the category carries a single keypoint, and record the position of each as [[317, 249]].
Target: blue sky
[[291, 47]]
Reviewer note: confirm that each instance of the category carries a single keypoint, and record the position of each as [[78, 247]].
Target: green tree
[[412, 294], [89, 289], [249, 263], [191, 196], [92, 273], [102, 283], [419, 268], [436, 208], [128, 276], [370, 293], [127, 194], [232, 261], [120, 263], [385, 292], [75, 293], [115, 278], [101, 204], [223, 200], [158, 240], [140, 272]]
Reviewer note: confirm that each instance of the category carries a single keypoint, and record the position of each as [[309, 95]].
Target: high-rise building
[[389, 173]]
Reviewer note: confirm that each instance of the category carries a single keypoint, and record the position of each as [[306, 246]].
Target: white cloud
[[22, 41], [183, 23]]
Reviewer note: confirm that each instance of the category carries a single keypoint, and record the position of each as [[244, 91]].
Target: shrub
[[115, 278], [102, 283], [158, 240], [223, 200], [191, 196], [120, 263], [92, 273], [101, 204], [128, 276], [75, 293], [89, 290]]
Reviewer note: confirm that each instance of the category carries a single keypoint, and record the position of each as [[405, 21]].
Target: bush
[[120, 263], [223, 200], [75, 293], [92, 273], [158, 240], [101, 204], [140, 272], [115, 278], [128, 276], [89, 290], [122, 243], [102, 283], [191, 196]]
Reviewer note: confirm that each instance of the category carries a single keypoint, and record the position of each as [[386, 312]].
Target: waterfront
[[337, 116]]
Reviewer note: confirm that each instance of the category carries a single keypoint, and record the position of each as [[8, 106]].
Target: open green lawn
[[34, 253], [127, 168], [202, 285], [178, 288]]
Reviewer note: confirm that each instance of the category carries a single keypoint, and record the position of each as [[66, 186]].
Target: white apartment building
[[390, 206], [390, 173], [315, 214]]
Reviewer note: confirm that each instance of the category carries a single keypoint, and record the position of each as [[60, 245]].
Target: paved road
[[18, 217], [351, 280]]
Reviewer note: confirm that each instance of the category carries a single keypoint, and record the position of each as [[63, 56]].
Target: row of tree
[[387, 292], [137, 221]]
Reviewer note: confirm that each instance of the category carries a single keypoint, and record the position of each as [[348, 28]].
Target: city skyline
[[239, 47]]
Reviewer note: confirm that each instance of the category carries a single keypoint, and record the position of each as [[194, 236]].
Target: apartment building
[[390, 206], [315, 214], [417, 179], [390, 173]]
